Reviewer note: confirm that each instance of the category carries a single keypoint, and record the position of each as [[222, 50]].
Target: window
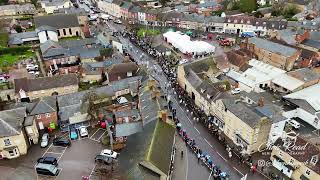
[[64, 32], [308, 172], [70, 31], [38, 116], [291, 161], [7, 142], [280, 154], [314, 160], [47, 114]]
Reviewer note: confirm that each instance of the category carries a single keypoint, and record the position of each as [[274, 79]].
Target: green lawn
[[70, 38], [10, 59], [147, 32]]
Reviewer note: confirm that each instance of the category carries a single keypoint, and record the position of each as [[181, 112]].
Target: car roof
[[106, 151], [45, 166]]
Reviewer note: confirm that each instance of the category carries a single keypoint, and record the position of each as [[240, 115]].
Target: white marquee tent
[[185, 45]]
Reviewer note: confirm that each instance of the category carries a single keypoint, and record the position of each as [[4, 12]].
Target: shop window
[[47, 114]]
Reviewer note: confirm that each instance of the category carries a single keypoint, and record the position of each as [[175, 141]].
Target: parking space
[[98, 134]]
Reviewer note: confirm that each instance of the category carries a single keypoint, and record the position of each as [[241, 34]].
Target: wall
[[91, 78], [19, 141], [67, 33], [51, 9], [42, 118], [48, 92], [32, 132]]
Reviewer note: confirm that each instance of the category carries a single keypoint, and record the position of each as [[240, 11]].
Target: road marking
[[221, 156], [101, 135], [47, 150], [62, 154], [92, 171], [197, 131], [187, 165], [54, 153], [208, 142], [95, 132], [238, 171]]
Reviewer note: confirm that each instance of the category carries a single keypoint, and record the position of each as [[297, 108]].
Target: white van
[[294, 123]]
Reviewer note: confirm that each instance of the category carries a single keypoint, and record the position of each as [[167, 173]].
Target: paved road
[[203, 138]]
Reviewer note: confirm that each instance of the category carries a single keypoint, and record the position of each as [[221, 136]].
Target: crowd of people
[[168, 67]]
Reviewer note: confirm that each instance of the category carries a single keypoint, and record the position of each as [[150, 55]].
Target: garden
[[142, 32], [10, 56]]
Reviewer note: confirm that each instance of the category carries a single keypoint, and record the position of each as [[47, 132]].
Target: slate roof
[[11, 121], [305, 74], [44, 83], [44, 105], [17, 38], [303, 155], [272, 47], [58, 21], [123, 68], [311, 43], [128, 113], [45, 28], [125, 5], [163, 137], [243, 111]]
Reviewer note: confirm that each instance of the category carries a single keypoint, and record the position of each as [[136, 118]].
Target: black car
[[59, 141], [103, 159], [48, 160]]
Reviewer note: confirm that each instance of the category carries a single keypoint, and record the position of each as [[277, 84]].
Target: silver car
[[45, 140]]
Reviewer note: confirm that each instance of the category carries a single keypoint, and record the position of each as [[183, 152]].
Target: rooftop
[[272, 47], [58, 21], [44, 83], [11, 121]]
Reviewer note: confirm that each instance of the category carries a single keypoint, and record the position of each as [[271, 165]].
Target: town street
[[203, 138]]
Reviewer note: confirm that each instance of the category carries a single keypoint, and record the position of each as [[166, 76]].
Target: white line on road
[[54, 153], [238, 171], [47, 150], [187, 165], [197, 130], [92, 171], [208, 142], [221, 156], [101, 135]]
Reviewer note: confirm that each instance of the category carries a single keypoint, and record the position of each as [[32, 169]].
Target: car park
[[47, 169], [83, 131], [44, 140], [109, 153], [103, 159], [48, 160], [59, 141]]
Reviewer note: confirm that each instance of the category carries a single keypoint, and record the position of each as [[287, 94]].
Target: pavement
[[180, 163], [203, 138]]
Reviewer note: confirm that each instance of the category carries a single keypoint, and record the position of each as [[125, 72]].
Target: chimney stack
[[261, 102]]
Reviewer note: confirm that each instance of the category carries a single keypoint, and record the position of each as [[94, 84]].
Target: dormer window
[[264, 23], [241, 21], [229, 20], [257, 22], [208, 96], [248, 22], [202, 90], [235, 21], [314, 160]]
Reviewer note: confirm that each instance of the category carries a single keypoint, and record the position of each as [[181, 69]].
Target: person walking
[[230, 154], [198, 155]]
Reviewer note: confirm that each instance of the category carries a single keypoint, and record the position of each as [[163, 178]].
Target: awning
[[289, 166], [303, 177], [239, 136], [248, 34], [11, 148]]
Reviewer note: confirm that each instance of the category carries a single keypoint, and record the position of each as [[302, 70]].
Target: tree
[[164, 2], [18, 29], [247, 5]]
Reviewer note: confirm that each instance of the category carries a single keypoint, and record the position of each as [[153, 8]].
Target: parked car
[[3, 80], [235, 91], [118, 21], [294, 123], [36, 73], [73, 134], [83, 131], [32, 67], [109, 153], [45, 140], [60, 141], [47, 169], [48, 160], [103, 159], [182, 61]]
